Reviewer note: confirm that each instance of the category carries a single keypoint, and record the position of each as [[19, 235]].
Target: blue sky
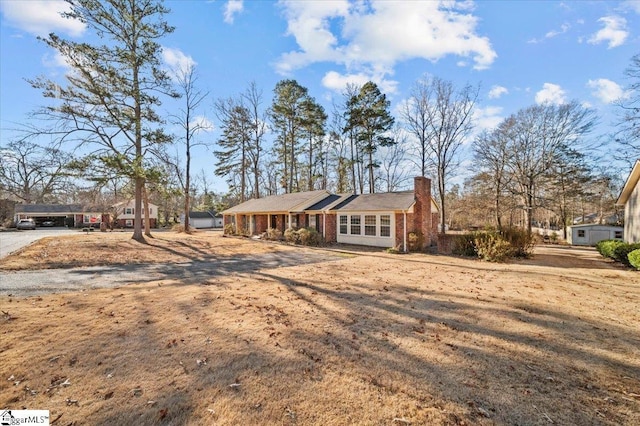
[[520, 52]]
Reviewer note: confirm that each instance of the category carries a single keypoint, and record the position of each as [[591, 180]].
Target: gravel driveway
[[11, 241], [46, 281]]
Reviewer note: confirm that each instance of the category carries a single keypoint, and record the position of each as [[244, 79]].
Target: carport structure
[[70, 215]]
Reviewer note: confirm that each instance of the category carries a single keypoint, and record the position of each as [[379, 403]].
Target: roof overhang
[[629, 185]]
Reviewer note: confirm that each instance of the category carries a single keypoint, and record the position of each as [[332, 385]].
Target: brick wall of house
[[331, 234], [435, 220], [400, 230], [422, 218], [262, 223]]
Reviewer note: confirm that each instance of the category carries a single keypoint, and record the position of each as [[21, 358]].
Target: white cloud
[[176, 61], [551, 34], [486, 118], [633, 5], [497, 91], [378, 34], [606, 90], [563, 29], [338, 82], [232, 8], [41, 17], [614, 31], [551, 93], [203, 124]]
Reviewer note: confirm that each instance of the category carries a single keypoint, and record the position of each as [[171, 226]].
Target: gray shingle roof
[[378, 202], [53, 208], [201, 215], [329, 202], [284, 203]]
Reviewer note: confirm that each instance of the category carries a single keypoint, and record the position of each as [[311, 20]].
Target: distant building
[[203, 220], [69, 215], [591, 233], [125, 214]]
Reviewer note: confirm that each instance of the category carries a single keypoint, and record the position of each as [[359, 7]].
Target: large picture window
[[343, 225], [385, 225], [370, 225], [355, 225]]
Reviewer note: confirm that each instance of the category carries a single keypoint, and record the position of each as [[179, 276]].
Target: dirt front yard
[[341, 338]]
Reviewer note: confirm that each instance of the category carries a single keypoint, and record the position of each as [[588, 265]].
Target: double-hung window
[[385, 225], [355, 225], [343, 225], [370, 225]]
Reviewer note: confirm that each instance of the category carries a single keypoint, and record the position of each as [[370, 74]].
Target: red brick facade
[[261, 223], [400, 229], [422, 217], [332, 231]]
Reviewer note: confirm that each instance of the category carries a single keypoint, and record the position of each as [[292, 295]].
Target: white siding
[[632, 217], [362, 239], [589, 235]]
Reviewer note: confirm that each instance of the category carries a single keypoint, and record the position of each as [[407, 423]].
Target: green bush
[[308, 237], [416, 241], [621, 252], [608, 247], [634, 259], [463, 245]]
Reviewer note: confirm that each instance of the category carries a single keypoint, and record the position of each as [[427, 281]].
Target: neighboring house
[[70, 215], [591, 233], [379, 220], [630, 200], [202, 220], [125, 214]]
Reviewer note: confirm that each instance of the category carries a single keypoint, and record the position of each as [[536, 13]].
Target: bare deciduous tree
[[190, 125], [447, 113], [628, 135], [536, 137], [32, 173]]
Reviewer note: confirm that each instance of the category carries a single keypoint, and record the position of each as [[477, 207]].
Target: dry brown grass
[[366, 339], [117, 248]]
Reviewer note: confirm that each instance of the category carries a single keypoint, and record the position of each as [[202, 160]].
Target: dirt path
[[46, 281]]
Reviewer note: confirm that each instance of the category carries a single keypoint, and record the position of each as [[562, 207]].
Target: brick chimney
[[422, 209]]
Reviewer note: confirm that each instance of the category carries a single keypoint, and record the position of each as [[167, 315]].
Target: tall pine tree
[[111, 95]]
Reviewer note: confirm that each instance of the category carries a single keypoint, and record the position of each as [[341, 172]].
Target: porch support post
[[289, 220], [324, 225]]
